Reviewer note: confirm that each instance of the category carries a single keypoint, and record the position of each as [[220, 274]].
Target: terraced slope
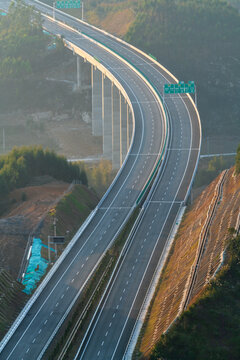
[[171, 292]]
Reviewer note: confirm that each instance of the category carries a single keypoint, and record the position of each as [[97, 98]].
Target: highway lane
[[119, 311], [65, 285], [158, 76]]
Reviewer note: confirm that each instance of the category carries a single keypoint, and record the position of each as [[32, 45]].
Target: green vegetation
[[24, 55], [21, 164], [197, 40], [22, 42], [208, 170], [101, 8], [235, 3], [210, 328], [88, 301], [238, 161], [99, 176]]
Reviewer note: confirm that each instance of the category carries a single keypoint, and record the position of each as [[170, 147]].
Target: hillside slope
[[24, 218], [174, 282], [12, 299], [32, 218]]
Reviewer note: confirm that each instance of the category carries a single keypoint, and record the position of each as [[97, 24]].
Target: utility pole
[[82, 10], [55, 231], [52, 213]]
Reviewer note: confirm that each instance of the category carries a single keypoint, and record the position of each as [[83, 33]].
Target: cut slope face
[[175, 280], [23, 218]]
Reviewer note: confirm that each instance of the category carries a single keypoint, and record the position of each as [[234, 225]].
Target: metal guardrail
[[57, 264], [44, 283]]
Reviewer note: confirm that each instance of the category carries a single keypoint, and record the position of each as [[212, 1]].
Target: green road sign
[[68, 4], [180, 88]]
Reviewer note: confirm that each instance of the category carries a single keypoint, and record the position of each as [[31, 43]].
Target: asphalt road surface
[[118, 314]]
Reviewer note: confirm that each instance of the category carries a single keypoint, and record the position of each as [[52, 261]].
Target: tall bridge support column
[[97, 128], [116, 129], [78, 73], [125, 127], [107, 118], [83, 80]]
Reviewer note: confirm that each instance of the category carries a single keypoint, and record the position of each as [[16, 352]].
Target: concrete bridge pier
[[83, 80], [111, 118], [97, 94], [107, 118], [116, 129]]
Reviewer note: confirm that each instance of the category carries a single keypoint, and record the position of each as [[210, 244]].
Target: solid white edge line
[[154, 249], [163, 113]]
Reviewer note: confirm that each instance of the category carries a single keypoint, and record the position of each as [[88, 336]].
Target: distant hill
[[114, 16], [235, 3], [198, 40]]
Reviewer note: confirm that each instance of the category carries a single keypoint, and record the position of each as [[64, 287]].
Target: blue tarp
[[36, 268]]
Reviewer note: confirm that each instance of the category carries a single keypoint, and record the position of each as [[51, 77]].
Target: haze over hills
[[196, 40], [194, 50]]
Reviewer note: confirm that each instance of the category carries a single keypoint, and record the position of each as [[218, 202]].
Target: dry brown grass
[[169, 295], [22, 218], [119, 22]]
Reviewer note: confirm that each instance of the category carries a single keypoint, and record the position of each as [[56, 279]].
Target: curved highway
[[29, 338]]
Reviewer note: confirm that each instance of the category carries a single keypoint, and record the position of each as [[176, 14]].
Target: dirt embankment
[[118, 23], [175, 278], [30, 214], [116, 18], [29, 205]]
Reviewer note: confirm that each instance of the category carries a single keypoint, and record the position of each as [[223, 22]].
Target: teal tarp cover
[[36, 268]]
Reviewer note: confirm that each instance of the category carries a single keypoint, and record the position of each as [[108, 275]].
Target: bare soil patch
[[171, 289], [23, 217]]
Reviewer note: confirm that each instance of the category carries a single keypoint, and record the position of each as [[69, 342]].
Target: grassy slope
[[172, 283], [210, 329], [71, 212]]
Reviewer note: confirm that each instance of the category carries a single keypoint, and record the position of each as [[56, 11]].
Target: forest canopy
[[210, 328], [22, 41], [21, 164], [196, 40], [24, 56]]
